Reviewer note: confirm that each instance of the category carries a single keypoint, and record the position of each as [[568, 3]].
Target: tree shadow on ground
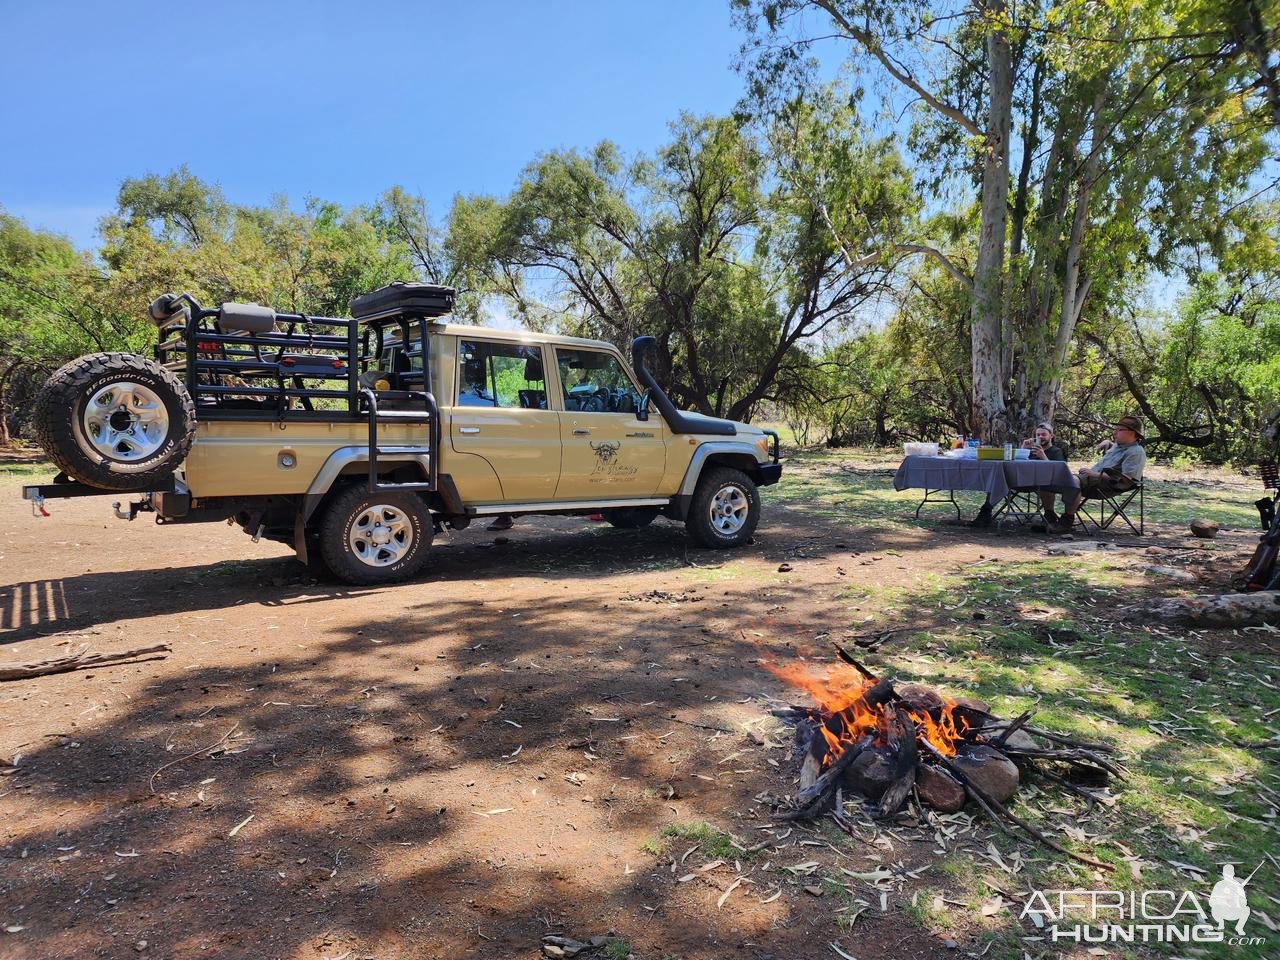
[[554, 549], [430, 784]]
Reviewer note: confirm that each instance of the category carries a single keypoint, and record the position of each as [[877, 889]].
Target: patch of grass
[[714, 843], [926, 910], [618, 950], [652, 847], [1190, 714], [1182, 713], [27, 471]]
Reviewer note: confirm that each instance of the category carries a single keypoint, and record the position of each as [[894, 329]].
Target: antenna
[[1250, 876]]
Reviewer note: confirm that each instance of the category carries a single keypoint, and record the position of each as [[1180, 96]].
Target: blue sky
[[336, 100]]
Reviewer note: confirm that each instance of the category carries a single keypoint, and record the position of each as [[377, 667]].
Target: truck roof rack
[[403, 301]]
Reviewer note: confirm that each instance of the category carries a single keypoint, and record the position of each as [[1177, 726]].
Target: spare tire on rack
[[115, 421]]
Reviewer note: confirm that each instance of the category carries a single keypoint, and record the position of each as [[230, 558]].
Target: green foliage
[[716, 245]]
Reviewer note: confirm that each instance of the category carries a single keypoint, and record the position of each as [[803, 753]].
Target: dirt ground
[[449, 768]]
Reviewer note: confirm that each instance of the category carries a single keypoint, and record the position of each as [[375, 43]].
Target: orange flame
[[843, 707]]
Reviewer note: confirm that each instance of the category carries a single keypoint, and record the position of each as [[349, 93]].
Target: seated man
[[1119, 470], [1042, 447]]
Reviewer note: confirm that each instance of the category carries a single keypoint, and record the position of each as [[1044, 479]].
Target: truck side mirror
[[642, 406]]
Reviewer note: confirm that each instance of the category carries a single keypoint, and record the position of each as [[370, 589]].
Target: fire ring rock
[[916, 696], [973, 703], [939, 789], [989, 770], [871, 773], [1205, 529], [1018, 740]]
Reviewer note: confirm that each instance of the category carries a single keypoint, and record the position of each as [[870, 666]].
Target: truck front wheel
[[375, 538], [725, 508]]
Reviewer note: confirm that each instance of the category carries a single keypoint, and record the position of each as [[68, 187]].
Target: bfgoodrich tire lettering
[[375, 538], [115, 421], [725, 509]]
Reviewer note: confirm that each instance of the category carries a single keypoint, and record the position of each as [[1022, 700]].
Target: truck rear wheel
[[725, 508], [115, 421], [375, 538]]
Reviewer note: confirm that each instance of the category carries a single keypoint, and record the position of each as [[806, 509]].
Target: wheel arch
[[348, 463], [739, 455]]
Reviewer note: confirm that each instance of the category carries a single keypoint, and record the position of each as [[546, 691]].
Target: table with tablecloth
[[1000, 480]]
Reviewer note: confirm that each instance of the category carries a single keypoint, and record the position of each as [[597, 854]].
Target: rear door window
[[494, 374]]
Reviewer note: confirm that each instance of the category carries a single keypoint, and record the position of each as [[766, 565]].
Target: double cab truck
[[355, 440]]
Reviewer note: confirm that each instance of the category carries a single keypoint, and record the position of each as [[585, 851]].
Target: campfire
[[899, 746]]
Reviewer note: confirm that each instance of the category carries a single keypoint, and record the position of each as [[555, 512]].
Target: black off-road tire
[[377, 563], [631, 518], [704, 511], [142, 460]]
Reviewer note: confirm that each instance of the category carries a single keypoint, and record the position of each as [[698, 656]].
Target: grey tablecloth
[[993, 477]]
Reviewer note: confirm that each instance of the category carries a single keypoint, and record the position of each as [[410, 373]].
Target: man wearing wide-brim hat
[[1120, 469]]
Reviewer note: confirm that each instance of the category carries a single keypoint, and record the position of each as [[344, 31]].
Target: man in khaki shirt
[[1120, 469]]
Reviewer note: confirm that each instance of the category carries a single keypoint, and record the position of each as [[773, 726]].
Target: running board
[[559, 506]]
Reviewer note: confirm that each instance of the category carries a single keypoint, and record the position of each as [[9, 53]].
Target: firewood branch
[[999, 813], [79, 661]]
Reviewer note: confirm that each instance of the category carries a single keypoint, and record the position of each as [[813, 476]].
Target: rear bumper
[[768, 473]]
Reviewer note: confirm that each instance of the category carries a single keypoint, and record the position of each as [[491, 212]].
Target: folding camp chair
[[1021, 507], [1105, 510]]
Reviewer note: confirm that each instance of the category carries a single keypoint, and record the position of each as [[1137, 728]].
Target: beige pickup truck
[[356, 439]]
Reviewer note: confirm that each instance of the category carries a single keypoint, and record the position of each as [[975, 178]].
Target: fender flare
[[738, 448], [345, 457]]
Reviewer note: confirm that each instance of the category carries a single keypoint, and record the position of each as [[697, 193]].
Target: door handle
[[582, 433], [468, 429]]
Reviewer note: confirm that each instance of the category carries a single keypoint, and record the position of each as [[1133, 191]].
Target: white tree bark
[[990, 416]]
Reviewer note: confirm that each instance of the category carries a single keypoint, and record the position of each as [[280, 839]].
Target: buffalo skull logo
[[607, 451]]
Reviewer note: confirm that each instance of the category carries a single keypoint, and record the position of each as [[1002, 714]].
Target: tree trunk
[[990, 418], [5, 377], [1226, 610], [1074, 288]]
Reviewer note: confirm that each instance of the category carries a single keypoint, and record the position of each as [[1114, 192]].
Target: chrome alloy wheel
[[125, 422], [729, 510], [381, 535]]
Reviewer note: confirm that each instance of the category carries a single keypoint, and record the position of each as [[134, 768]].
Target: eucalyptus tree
[[1133, 125]]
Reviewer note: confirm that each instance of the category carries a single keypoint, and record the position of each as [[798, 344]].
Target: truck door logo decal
[[607, 463], [605, 452]]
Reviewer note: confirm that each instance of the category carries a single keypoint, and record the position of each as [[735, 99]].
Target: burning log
[[890, 744]]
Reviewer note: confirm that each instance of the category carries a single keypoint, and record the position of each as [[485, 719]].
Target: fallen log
[[1221, 610], [79, 661]]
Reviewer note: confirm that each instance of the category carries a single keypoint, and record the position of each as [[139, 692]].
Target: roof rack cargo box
[[403, 300]]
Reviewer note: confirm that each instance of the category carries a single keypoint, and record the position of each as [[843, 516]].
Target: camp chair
[[1021, 507], [1100, 510]]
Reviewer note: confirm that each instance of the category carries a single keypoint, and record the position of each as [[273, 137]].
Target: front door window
[[594, 382]]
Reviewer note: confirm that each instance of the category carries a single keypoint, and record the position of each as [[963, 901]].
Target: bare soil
[[443, 769]]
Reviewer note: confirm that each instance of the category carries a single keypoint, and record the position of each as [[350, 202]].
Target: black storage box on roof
[[403, 300]]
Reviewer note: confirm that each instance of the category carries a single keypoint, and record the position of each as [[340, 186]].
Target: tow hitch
[[133, 509]]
